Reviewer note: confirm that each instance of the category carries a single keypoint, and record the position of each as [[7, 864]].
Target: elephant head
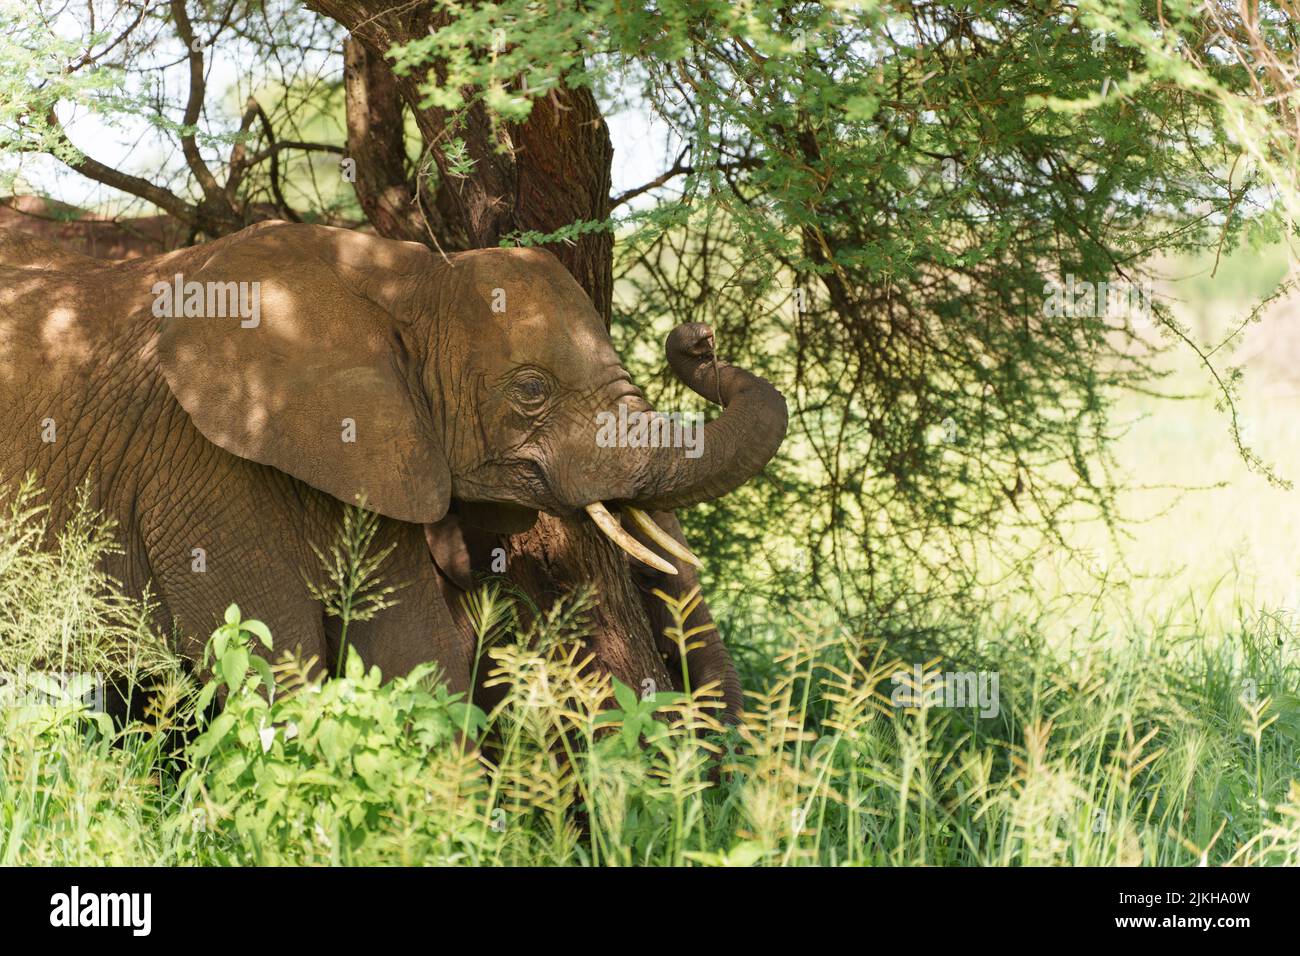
[[376, 368]]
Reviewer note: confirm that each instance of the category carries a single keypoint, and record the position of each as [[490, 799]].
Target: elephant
[[225, 402]]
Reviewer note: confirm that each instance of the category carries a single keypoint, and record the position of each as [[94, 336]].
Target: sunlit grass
[[1145, 744]]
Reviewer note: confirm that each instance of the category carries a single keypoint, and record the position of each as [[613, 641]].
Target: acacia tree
[[889, 193], [870, 203]]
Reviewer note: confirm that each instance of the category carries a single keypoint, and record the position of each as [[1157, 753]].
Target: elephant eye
[[529, 391]]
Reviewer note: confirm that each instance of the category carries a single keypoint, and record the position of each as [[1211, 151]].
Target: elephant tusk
[[662, 537], [614, 531]]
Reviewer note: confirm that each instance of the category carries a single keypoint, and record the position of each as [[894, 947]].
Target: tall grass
[[1146, 744]]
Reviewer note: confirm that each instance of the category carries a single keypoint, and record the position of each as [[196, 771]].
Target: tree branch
[[132, 185], [678, 168], [194, 105], [281, 203]]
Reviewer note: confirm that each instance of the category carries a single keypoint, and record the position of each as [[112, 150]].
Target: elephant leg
[[458, 549], [197, 606], [234, 538], [418, 627]]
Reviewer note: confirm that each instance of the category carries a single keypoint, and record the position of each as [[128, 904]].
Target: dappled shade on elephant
[[226, 401]]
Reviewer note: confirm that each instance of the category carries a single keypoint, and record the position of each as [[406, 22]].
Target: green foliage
[[59, 608], [1131, 747], [67, 796], [876, 201], [871, 203], [636, 715], [300, 772], [1097, 759], [124, 65], [36, 78]]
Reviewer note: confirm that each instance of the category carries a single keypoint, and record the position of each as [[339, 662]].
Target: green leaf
[[104, 723], [208, 740], [319, 778], [861, 107], [625, 696], [631, 733], [468, 717], [354, 669], [232, 614], [263, 668], [220, 638], [258, 630], [205, 696], [745, 854], [666, 697], [370, 767], [234, 665]]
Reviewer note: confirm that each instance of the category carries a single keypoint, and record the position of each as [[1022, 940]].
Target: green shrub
[[1142, 744], [349, 771]]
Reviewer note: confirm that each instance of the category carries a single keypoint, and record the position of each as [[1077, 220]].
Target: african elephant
[[225, 401]]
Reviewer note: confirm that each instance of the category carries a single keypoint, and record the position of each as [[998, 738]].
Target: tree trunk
[[558, 557], [399, 204], [544, 174], [377, 146], [541, 175]]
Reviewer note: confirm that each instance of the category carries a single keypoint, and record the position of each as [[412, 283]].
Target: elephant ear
[[312, 377]]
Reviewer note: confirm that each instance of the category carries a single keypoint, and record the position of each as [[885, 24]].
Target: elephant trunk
[[736, 446]]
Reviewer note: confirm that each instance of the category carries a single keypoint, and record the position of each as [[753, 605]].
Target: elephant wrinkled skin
[[432, 387]]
